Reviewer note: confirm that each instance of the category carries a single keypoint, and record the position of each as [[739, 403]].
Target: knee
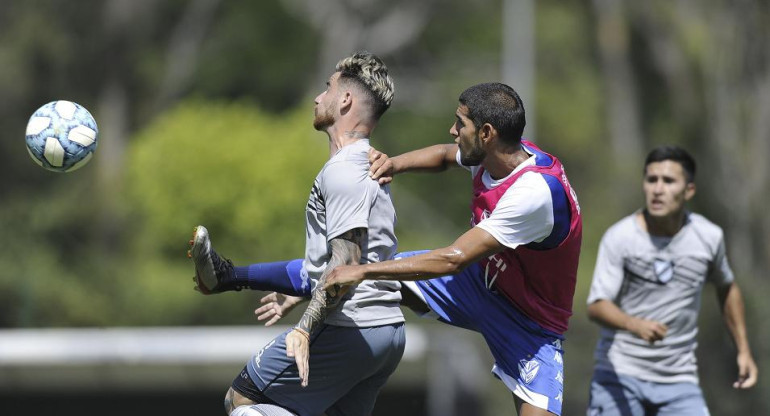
[[233, 399], [229, 401]]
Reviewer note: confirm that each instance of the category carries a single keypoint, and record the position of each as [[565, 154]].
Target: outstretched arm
[[470, 247], [435, 158], [731, 302], [346, 249]]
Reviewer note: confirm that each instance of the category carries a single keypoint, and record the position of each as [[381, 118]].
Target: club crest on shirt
[[495, 265], [528, 370], [664, 270]]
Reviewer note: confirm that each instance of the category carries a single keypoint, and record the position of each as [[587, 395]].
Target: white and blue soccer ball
[[61, 136]]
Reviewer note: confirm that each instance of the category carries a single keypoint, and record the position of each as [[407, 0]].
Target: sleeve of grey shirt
[[608, 272], [720, 272]]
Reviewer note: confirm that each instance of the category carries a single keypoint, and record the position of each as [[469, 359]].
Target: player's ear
[[689, 191], [346, 100], [487, 132]]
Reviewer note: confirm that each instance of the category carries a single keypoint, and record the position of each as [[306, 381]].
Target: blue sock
[[287, 277]]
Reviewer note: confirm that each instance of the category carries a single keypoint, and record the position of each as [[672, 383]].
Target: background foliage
[[204, 109]]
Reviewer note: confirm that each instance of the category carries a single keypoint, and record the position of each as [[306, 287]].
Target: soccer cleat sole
[[197, 237]]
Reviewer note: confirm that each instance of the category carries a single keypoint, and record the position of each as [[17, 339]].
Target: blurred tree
[[384, 27], [714, 62], [624, 127], [243, 173], [258, 52], [703, 75]]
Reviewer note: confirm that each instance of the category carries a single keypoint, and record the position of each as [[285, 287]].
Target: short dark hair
[[499, 105], [673, 153], [367, 70]]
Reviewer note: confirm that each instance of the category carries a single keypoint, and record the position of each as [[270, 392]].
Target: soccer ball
[[61, 136]]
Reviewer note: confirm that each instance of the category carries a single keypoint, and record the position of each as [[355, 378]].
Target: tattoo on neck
[[355, 134]]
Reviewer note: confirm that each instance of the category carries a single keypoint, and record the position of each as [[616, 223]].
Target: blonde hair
[[369, 72]]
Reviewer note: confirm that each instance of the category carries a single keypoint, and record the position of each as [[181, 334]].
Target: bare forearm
[[608, 314], [440, 262], [474, 245], [469, 248], [430, 159], [734, 315]]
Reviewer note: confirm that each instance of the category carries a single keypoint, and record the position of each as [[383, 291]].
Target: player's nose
[[317, 99]]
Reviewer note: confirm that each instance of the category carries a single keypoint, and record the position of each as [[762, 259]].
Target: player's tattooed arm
[[346, 250]]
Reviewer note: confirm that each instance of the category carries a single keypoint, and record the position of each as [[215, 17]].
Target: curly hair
[[369, 72]]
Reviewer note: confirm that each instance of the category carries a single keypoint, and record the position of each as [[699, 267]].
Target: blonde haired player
[[349, 219]]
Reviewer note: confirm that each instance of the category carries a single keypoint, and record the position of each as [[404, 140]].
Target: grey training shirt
[[659, 279], [343, 198]]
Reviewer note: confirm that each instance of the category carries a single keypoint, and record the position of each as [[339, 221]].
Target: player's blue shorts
[[348, 366], [528, 358]]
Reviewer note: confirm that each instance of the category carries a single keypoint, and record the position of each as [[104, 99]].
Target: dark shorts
[[348, 366]]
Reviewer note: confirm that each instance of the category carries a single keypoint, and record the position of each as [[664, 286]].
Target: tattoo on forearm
[[346, 249]]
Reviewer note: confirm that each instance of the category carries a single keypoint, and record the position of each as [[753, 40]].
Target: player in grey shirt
[[344, 198], [646, 295], [356, 338]]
